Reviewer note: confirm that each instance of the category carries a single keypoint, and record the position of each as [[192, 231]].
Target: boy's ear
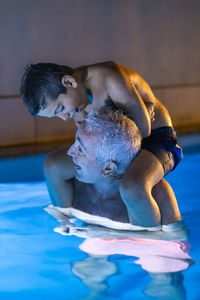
[[69, 81], [109, 168]]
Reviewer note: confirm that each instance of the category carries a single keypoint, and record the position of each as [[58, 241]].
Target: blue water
[[37, 262]]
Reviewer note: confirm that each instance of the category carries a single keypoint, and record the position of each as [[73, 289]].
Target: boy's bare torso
[[104, 77]]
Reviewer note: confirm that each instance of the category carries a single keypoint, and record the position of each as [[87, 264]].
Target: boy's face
[[65, 106]]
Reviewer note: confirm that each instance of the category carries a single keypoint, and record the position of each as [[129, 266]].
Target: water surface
[[37, 262]]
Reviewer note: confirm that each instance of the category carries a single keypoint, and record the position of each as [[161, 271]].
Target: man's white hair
[[118, 137]]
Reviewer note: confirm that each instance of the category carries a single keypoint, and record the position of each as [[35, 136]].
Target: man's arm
[[59, 174], [122, 91], [93, 231], [58, 214]]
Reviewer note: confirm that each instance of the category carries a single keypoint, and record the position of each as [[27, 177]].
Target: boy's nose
[[63, 116]]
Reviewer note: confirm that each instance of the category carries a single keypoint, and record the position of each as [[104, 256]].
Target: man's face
[[83, 152], [65, 106]]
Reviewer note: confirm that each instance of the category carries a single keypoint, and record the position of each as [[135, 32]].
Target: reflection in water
[[166, 286], [163, 260], [164, 255], [94, 272]]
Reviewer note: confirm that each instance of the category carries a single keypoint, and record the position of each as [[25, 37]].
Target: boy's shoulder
[[103, 65], [105, 68], [113, 70], [108, 72]]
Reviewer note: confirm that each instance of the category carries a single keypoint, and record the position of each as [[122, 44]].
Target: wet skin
[[125, 88]]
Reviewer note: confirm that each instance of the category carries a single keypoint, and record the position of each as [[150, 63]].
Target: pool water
[[37, 263]]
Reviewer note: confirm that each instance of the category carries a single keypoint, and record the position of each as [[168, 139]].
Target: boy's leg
[[166, 200], [141, 176], [59, 171]]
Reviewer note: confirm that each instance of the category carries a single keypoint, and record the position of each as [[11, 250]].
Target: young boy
[[51, 90]]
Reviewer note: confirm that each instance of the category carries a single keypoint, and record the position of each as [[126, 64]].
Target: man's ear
[[109, 168], [69, 81]]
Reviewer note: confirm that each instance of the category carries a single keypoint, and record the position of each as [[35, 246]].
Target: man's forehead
[[79, 140], [80, 136], [83, 136]]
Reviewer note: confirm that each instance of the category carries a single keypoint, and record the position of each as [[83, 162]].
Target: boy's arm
[[122, 91]]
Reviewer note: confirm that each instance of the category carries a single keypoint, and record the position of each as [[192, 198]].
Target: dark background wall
[[158, 39]]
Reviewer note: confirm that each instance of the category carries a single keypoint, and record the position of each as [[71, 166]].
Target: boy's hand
[[79, 117]]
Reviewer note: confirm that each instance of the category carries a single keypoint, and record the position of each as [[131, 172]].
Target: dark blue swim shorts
[[163, 144]]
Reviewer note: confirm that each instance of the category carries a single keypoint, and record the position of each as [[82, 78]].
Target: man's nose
[[70, 151]]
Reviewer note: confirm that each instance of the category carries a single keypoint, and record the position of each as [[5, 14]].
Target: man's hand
[[59, 216], [89, 231], [92, 231]]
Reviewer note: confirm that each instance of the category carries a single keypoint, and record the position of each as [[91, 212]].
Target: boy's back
[[104, 77]]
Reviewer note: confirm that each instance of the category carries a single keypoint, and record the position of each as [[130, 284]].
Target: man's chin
[[82, 179]]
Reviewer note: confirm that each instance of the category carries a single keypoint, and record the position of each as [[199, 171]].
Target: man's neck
[[101, 200], [107, 187]]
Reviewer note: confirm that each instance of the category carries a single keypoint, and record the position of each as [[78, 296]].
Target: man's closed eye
[[80, 149]]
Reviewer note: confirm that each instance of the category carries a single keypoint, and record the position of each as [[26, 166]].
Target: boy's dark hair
[[42, 81]]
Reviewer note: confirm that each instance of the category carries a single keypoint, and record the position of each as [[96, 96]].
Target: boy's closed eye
[[59, 108]]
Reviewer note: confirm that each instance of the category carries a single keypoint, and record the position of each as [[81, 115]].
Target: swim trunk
[[163, 144]]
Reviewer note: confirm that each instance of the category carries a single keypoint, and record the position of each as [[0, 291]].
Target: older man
[[105, 145]]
